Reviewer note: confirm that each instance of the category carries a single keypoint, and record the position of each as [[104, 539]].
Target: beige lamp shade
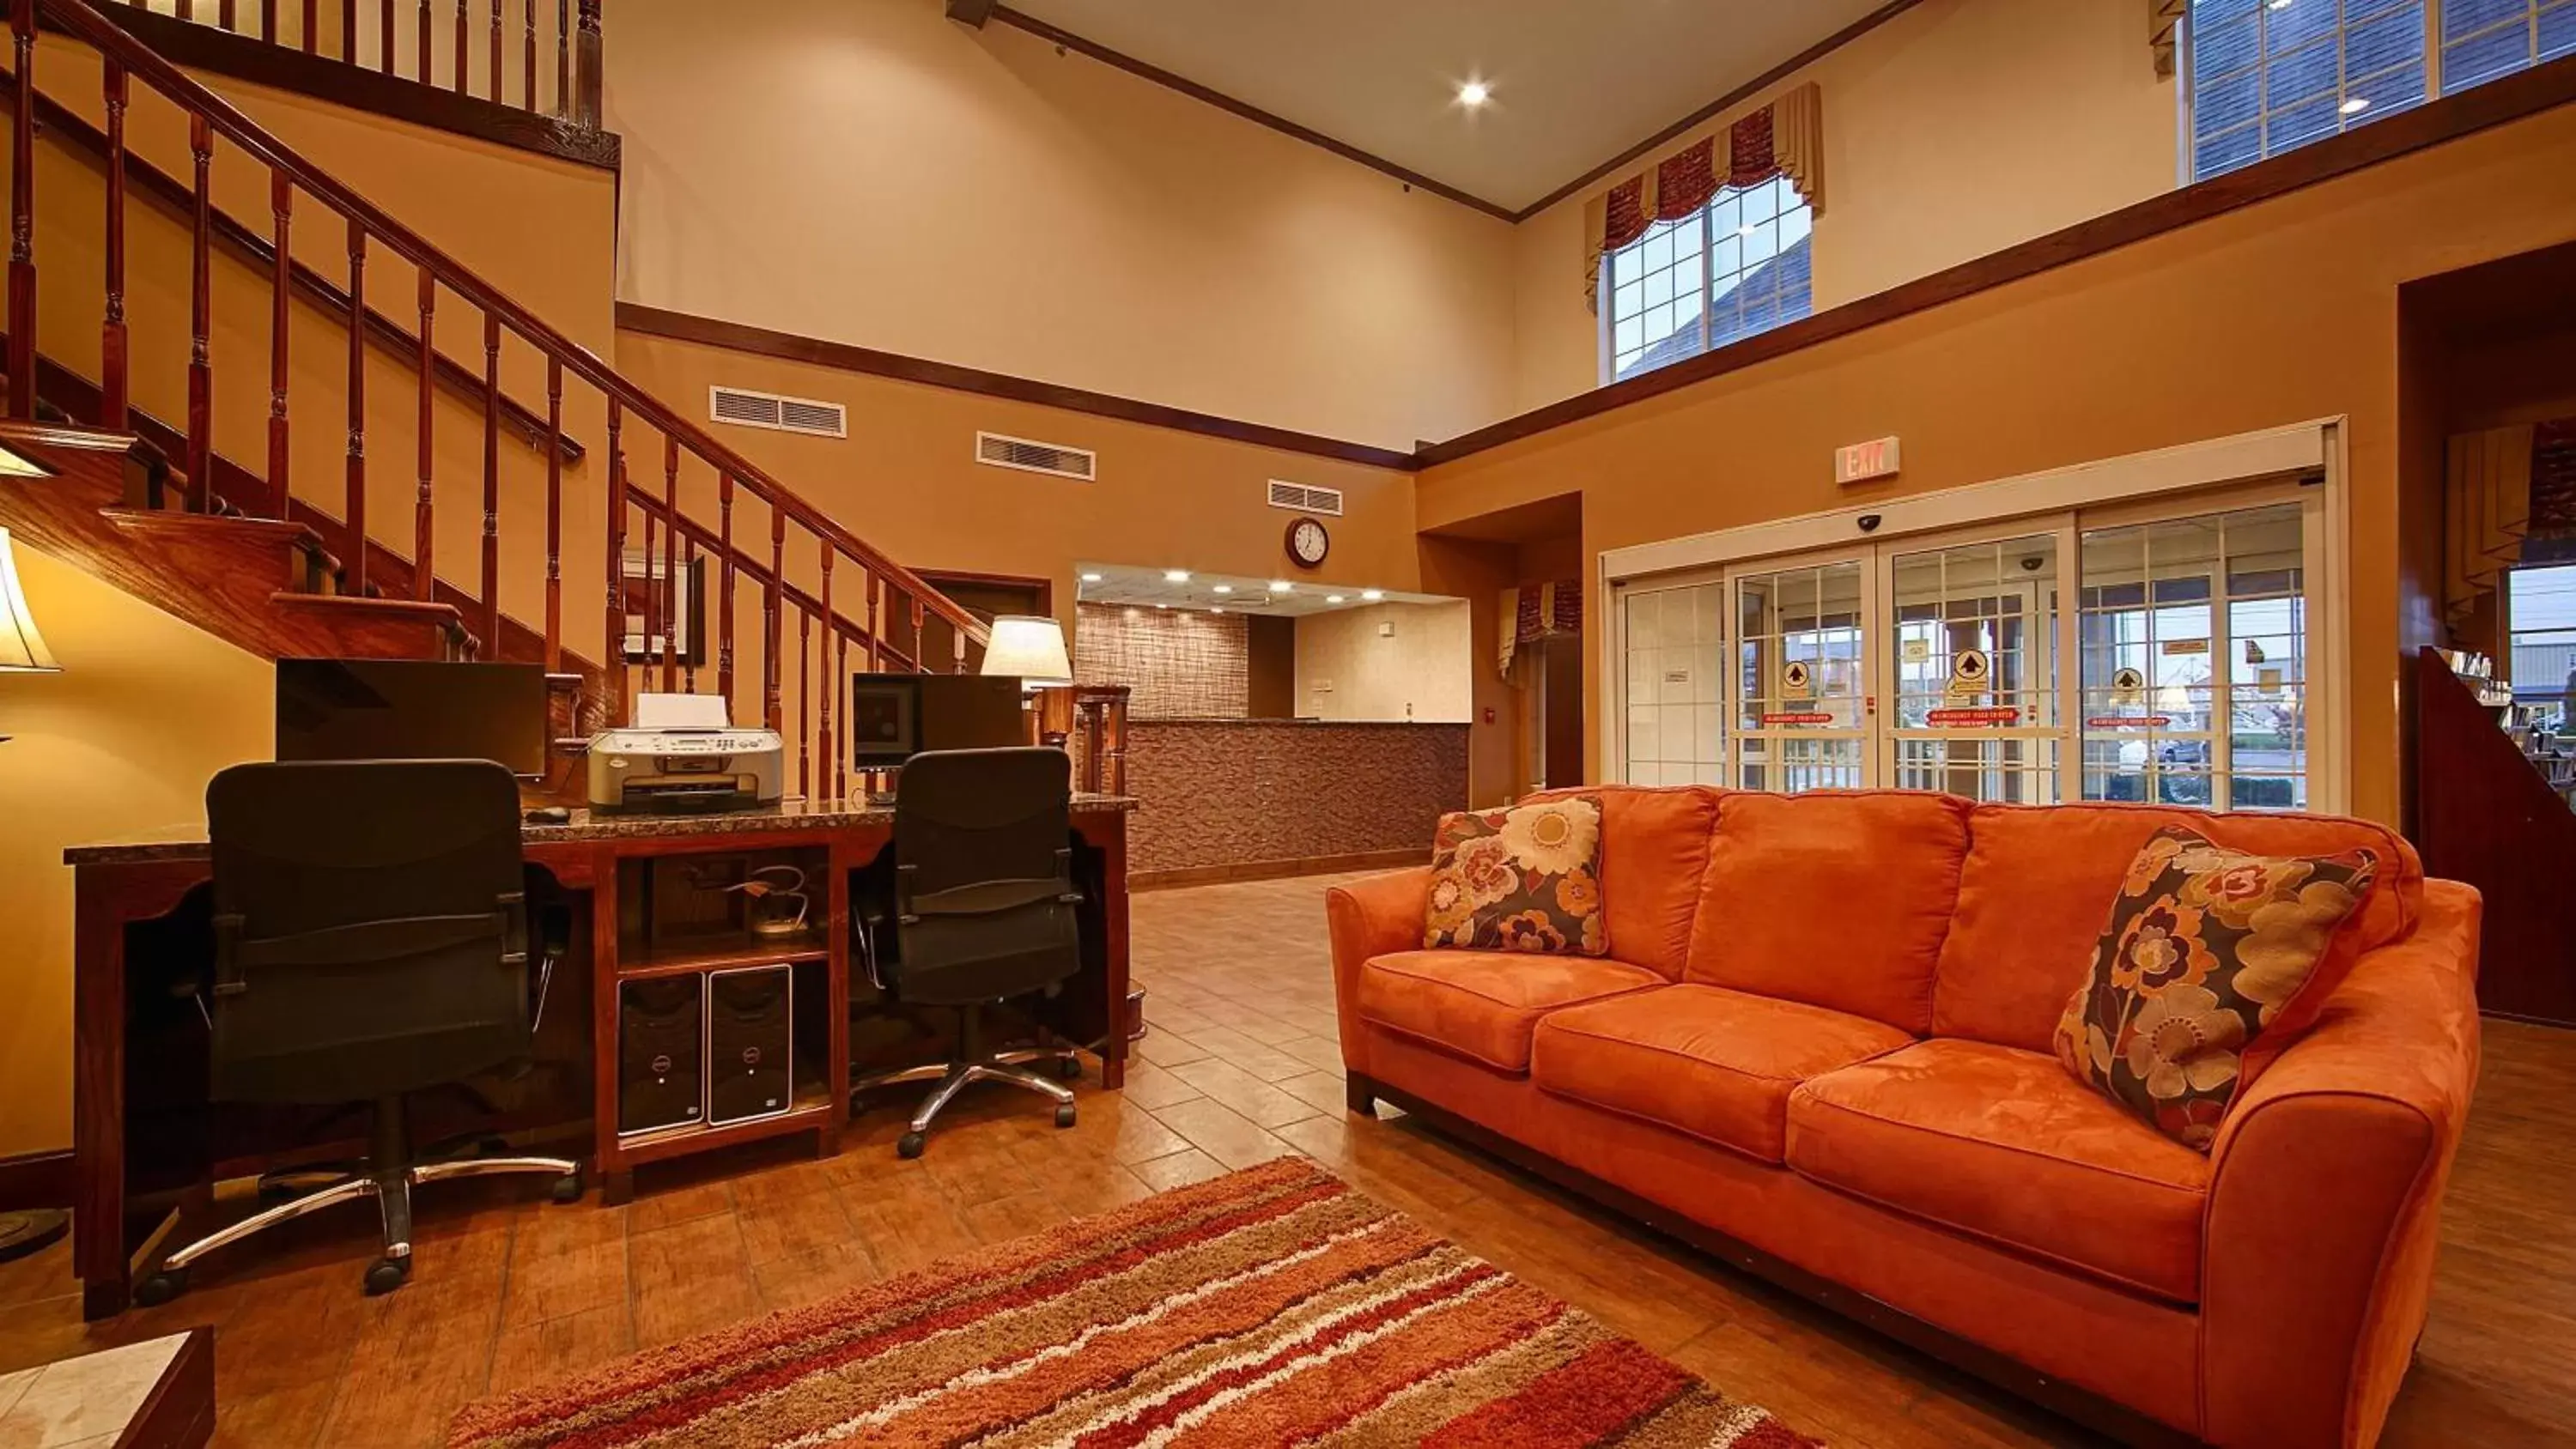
[[22, 649], [1030, 647]]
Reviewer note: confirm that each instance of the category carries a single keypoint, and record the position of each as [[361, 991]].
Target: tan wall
[[2282, 312], [1954, 130], [146, 710], [149, 708], [1420, 672], [874, 174]]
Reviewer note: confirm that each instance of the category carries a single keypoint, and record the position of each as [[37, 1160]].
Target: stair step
[[442, 617], [172, 523]]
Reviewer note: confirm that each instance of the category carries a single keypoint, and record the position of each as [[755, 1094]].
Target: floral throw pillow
[[1523, 879], [2207, 947]]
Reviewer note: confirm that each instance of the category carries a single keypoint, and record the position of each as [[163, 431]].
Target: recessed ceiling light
[[1162, 606], [1280, 586], [1372, 595], [1219, 610], [1176, 576], [1225, 588], [2356, 105], [1475, 93], [1091, 578], [1332, 598]]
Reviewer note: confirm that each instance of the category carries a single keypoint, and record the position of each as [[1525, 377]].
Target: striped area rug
[[1272, 1307]]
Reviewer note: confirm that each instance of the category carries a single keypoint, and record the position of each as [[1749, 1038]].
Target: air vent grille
[[1053, 459], [749, 409], [1300, 498]]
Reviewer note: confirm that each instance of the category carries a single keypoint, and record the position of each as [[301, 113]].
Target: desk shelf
[[725, 956], [811, 1112]]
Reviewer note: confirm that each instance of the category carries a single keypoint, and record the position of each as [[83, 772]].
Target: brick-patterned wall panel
[[1178, 664], [1226, 794]]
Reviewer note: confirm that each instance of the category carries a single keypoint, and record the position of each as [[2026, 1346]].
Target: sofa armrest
[[2325, 1199], [1371, 917]]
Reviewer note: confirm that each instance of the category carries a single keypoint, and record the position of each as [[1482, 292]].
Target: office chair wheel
[[568, 1187], [1069, 1067], [161, 1287], [387, 1274], [1064, 1115], [909, 1145]]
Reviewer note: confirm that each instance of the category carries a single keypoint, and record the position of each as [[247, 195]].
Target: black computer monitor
[[412, 709], [894, 717]]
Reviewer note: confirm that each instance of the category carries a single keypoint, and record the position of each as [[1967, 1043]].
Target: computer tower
[[661, 1044], [751, 1034]]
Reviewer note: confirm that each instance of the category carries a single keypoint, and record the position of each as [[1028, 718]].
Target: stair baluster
[[385, 37], [268, 21], [312, 27], [424, 533], [496, 50], [648, 647], [876, 664], [724, 587], [675, 589], [554, 515], [823, 737], [426, 62], [349, 31], [804, 701], [770, 613], [281, 291], [201, 319], [355, 506], [528, 77], [114, 383], [689, 656], [563, 59], [491, 476], [613, 644], [22, 216]]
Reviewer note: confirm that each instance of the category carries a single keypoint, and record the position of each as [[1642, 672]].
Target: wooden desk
[[138, 903]]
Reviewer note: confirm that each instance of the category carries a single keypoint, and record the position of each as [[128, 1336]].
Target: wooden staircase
[[253, 555]]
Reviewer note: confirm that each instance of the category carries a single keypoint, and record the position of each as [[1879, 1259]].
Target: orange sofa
[[1821, 1047]]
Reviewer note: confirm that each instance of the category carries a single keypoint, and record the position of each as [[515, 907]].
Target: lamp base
[[22, 1233]]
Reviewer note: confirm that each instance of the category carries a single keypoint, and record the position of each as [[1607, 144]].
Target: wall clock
[[1308, 542]]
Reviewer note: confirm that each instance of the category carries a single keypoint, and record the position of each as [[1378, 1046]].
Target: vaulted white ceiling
[[1575, 82]]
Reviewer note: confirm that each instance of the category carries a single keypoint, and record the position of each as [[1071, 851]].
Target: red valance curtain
[[1784, 138], [1533, 612]]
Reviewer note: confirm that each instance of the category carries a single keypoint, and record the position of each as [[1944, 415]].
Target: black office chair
[[984, 905], [371, 940]]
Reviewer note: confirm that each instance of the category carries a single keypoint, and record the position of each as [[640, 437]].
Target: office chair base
[[957, 1077], [392, 1193]]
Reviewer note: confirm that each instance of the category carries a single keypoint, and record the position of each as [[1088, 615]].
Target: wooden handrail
[[377, 227]]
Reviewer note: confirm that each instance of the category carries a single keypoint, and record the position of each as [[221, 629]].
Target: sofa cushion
[[1714, 1063], [2213, 958], [1482, 1004], [1526, 878], [2038, 880], [1654, 847], [2003, 1144], [1835, 898]]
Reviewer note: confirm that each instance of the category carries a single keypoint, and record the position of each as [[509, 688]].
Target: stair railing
[[862, 598], [503, 51]]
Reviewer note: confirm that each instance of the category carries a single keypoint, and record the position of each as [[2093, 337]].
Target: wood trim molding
[[846, 357], [1067, 40], [36, 1180], [2494, 103], [206, 48], [1724, 103]]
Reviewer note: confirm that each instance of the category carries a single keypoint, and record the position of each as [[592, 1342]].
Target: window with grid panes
[[2271, 75], [2266, 76], [1736, 267], [2483, 39]]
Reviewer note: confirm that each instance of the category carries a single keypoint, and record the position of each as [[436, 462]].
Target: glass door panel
[[1675, 647], [1801, 686], [1973, 669], [2194, 636]]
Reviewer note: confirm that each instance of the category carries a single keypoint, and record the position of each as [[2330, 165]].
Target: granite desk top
[[188, 842]]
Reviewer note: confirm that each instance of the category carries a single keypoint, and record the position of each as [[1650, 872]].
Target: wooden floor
[[1241, 1067]]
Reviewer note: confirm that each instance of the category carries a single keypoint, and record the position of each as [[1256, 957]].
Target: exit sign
[[1863, 461]]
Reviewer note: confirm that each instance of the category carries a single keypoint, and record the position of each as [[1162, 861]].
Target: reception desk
[[1226, 799]]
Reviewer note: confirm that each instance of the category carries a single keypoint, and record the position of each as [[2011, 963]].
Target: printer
[[684, 756]]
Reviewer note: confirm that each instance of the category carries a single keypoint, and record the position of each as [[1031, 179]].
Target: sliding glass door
[[2125, 658]]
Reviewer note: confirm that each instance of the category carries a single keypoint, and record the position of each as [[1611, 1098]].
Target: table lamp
[[1030, 646]]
